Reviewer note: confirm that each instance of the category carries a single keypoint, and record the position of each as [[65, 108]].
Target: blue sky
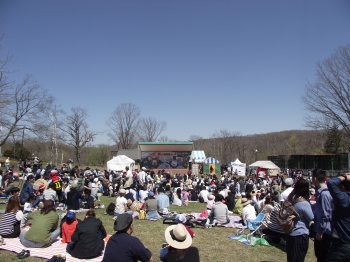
[[201, 66]]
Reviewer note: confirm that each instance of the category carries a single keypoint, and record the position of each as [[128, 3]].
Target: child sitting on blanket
[[68, 227], [28, 208], [211, 202]]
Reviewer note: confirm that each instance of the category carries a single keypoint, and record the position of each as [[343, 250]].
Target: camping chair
[[254, 225]]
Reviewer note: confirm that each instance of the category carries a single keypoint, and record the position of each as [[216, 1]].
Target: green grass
[[213, 243]]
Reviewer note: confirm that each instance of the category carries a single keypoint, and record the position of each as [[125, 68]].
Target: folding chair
[[254, 225]]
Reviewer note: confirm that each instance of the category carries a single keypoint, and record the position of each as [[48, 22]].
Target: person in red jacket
[[68, 227]]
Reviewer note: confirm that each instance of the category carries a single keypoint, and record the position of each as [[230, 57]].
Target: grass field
[[212, 243]]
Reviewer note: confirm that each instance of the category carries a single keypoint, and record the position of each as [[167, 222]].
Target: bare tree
[[76, 132], [150, 129], [328, 98], [22, 107], [124, 123], [225, 140]]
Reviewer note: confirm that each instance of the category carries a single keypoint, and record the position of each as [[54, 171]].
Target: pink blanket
[[14, 245]]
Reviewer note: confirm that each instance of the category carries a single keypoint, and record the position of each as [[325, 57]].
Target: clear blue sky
[[201, 66]]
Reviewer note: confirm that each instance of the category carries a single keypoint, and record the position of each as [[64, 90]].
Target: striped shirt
[[271, 221], [7, 223], [50, 194]]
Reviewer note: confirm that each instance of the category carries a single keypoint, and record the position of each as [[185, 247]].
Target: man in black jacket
[[87, 239], [123, 245]]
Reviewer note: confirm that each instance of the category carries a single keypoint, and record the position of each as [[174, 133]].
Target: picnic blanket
[[252, 241], [234, 221], [14, 245]]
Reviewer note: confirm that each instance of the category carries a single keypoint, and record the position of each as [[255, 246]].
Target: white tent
[[118, 163], [264, 164], [238, 167]]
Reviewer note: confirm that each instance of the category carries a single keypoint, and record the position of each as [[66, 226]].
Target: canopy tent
[[197, 156], [211, 166], [237, 167], [118, 163], [265, 166]]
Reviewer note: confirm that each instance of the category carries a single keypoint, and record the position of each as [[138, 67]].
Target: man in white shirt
[[142, 195], [142, 176], [284, 195], [204, 194], [248, 212]]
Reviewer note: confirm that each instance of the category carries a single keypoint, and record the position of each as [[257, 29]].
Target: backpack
[[110, 209], [142, 214], [287, 214]]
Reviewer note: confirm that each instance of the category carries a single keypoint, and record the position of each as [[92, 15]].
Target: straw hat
[[178, 237]]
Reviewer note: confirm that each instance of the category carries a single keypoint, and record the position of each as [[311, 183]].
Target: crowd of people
[[323, 208]]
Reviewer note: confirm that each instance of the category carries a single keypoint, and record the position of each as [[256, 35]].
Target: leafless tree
[[328, 98], [224, 140], [164, 139], [150, 129], [124, 123], [76, 132], [22, 107]]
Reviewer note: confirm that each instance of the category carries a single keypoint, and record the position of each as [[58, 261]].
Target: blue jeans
[[33, 244], [339, 251]]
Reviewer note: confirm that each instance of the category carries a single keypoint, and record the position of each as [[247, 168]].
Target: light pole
[[256, 155]]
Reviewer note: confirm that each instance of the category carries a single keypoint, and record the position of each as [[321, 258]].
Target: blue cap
[[150, 193], [70, 215]]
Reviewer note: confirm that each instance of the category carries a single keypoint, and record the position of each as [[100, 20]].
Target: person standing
[[339, 188], [7, 164], [142, 176], [323, 215], [297, 242]]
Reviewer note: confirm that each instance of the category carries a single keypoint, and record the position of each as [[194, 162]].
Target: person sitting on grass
[[11, 220], [74, 197], [151, 207], [87, 239], [211, 202], [124, 247], [121, 203], [179, 244], [219, 212], [248, 212], [177, 197], [68, 226], [43, 230], [238, 205]]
